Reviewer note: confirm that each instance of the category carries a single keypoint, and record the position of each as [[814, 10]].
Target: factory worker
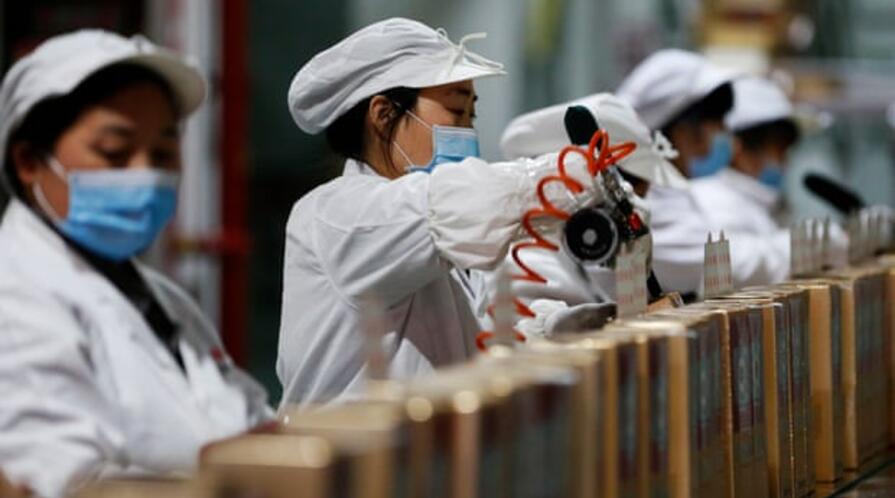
[[414, 211], [687, 97], [747, 196], [107, 368], [746, 199], [569, 280]]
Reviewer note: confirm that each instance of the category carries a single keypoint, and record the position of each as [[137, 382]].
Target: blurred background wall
[[247, 163]]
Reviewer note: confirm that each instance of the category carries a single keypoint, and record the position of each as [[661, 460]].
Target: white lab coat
[[682, 219], [87, 389], [679, 231], [413, 245], [364, 236], [751, 215]]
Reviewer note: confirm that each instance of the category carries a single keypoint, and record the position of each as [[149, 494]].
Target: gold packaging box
[[669, 369], [472, 432], [586, 410], [652, 411], [452, 433], [760, 316], [283, 466], [617, 457], [776, 382], [736, 364], [827, 401], [398, 427], [712, 475], [888, 262], [542, 419], [865, 384], [796, 302], [130, 488]]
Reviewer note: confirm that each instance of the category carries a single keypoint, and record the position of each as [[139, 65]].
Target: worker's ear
[[380, 113], [25, 162]]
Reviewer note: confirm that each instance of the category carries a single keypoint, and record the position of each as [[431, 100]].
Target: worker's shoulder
[[339, 189], [361, 201]]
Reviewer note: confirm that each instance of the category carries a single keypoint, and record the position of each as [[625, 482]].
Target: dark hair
[[712, 107], [51, 117], [346, 135], [782, 131]]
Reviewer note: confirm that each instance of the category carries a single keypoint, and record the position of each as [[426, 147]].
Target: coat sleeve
[[680, 229], [759, 260], [387, 239], [56, 428]]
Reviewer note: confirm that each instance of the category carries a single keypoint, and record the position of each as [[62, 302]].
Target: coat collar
[[47, 259], [354, 167], [750, 187], [34, 238]]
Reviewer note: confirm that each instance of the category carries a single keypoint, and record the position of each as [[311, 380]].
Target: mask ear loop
[[398, 146], [403, 154], [38, 192]]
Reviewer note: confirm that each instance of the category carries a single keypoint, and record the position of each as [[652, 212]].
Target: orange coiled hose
[[596, 163]]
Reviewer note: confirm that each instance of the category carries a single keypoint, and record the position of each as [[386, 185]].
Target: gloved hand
[[555, 317], [579, 319], [536, 327]]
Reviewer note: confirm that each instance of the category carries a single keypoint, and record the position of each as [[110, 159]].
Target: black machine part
[[837, 195], [591, 234], [584, 228]]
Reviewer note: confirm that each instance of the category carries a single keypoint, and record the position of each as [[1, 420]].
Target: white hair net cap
[[669, 81], [757, 101], [543, 131], [391, 53], [60, 64]]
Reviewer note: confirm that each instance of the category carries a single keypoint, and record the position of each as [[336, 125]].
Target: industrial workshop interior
[[447, 248]]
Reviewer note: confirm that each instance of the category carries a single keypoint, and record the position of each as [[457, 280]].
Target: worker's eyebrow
[[465, 92]]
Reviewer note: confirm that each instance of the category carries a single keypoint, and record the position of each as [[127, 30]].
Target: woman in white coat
[[686, 97], [107, 368], [414, 211], [747, 199]]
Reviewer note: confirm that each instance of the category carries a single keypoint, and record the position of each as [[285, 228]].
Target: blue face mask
[[717, 159], [450, 144], [771, 175], [114, 213]]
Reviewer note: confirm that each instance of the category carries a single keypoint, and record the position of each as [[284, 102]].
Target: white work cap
[[757, 101], [388, 54], [543, 131], [669, 81], [57, 66]]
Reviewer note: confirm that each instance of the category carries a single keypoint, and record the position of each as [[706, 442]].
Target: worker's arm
[[387, 239]]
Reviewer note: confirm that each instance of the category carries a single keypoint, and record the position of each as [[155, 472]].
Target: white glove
[[579, 319], [536, 328], [556, 317]]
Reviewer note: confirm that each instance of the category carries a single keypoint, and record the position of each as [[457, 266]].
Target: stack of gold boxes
[[779, 391]]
